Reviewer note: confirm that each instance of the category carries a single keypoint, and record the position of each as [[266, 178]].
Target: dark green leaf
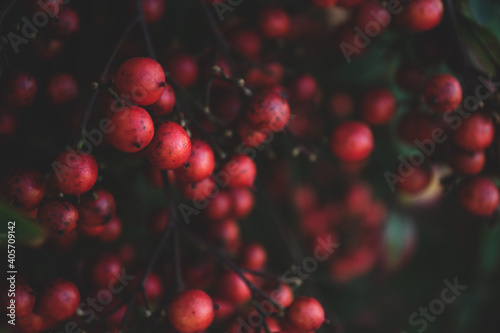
[[482, 10], [27, 231]]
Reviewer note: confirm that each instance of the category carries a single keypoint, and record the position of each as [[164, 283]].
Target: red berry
[[59, 216], [232, 288], [67, 23], [476, 132], [249, 136], [219, 207], [422, 15], [268, 110], [166, 103], [153, 287], [479, 196], [303, 88], [153, 10], [59, 300], [468, 163], [378, 106], [352, 141], [253, 256], [25, 189], [199, 165], [158, 221], [24, 298], [341, 104], [417, 181], [51, 7], [19, 89], [133, 129], [443, 93], [106, 270], [246, 42], [74, 173], [305, 314], [62, 89], [243, 202], [225, 235], [281, 293], [225, 104], [183, 69], [140, 80], [240, 171], [111, 231], [274, 23], [170, 147], [372, 18], [96, 208], [191, 311], [197, 191]]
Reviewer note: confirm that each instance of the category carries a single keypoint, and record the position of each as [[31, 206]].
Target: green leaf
[[482, 10], [27, 231], [490, 250]]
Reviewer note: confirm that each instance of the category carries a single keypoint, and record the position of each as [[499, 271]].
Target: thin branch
[[144, 26]]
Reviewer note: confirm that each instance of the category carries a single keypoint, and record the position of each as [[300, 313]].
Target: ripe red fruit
[[133, 129], [225, 104], [240, 171], [281, 293], [59, 300], [378, 106], [232, 288], [341, 104], [352, 141], [479, 196], [105, 270], [62, 89], [267, 77], [19, 89], [67, 23], [323, 3], [96, 208], [417, 181], [468, 163], [225, 235], [140, 80], [158, 221], [170, 147], [183, 69], [250, 137], [58, 216], [34, 323], [303, 88], [166, 103], [74, 173], [422, 15], [243, 202], [196, 191], [24, 297], [219, 207], [443, 93], [268, 110], [253, 256], [476, 132], [51, 7], [414, 126], [246, 42], [199, 165], [274, 23], [153, 10], [25, 189], [111, 231], [305, 314], [191, 311], [372, 18]]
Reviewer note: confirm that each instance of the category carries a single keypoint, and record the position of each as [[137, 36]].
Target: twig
[[147, 37]]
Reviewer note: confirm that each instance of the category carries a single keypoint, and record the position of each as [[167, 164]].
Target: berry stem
[[88, 110], [145, 31]]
